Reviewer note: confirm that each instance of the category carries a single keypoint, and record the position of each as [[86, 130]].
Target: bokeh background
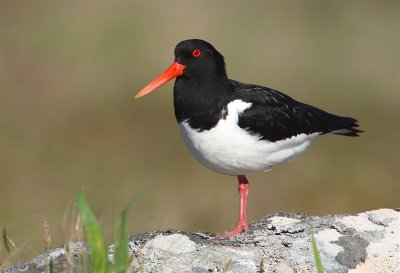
[[69, 71]]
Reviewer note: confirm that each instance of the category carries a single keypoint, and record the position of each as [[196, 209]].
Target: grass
[[94, 235], [121, 259], [317, 258], [95, 238]]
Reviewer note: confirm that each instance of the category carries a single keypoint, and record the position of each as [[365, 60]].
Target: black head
[[200, 59], [195, 60]]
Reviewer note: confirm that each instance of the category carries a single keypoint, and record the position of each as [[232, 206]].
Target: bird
[[236, 128]]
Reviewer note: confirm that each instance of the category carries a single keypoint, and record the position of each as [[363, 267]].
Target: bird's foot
[[240, 227]]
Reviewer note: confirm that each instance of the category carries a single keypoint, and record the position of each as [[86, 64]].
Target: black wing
[[276, 116]]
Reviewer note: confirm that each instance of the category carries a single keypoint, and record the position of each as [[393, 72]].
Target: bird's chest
[[215, 148]]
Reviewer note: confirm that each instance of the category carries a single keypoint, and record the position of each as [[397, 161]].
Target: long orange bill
[[175, 70]]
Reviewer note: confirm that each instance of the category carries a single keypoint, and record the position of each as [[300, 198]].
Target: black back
[[275, 116]]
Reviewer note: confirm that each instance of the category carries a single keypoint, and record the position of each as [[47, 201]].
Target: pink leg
[[241, 225]]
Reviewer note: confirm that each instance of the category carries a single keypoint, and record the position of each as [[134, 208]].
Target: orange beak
[[175, 70]]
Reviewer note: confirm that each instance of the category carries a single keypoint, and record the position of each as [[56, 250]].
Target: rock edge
[[279, 242]]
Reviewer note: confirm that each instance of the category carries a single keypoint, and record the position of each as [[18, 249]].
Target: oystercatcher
[[235, 128]]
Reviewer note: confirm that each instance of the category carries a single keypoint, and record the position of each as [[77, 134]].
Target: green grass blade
[[121, 259], [94, 235], [317, 258]]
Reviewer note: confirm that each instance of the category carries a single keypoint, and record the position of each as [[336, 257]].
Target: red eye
[[196, 53]]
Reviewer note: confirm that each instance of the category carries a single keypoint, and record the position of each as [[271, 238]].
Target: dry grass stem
[[8, 242], [46, 235]]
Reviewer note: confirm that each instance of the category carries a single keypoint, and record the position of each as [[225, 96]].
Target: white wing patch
[[229, 149]]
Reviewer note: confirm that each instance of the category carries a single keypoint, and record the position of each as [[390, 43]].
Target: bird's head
[[195, 60]]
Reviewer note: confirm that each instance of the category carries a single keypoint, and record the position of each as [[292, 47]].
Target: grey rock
[[279, 242]]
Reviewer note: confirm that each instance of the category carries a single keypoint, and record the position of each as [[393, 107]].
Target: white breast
[[229, 149]]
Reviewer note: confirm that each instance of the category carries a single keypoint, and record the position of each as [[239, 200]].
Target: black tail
[[347, 127]]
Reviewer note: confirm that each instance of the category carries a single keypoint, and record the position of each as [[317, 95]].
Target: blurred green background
[[69, 71]]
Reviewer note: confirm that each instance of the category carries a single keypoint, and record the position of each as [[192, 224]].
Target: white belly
[[229, 149]]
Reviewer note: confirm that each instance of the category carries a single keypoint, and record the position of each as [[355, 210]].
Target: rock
[[280, 242]]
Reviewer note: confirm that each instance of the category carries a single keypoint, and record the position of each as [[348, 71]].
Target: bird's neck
[[201, 102]]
